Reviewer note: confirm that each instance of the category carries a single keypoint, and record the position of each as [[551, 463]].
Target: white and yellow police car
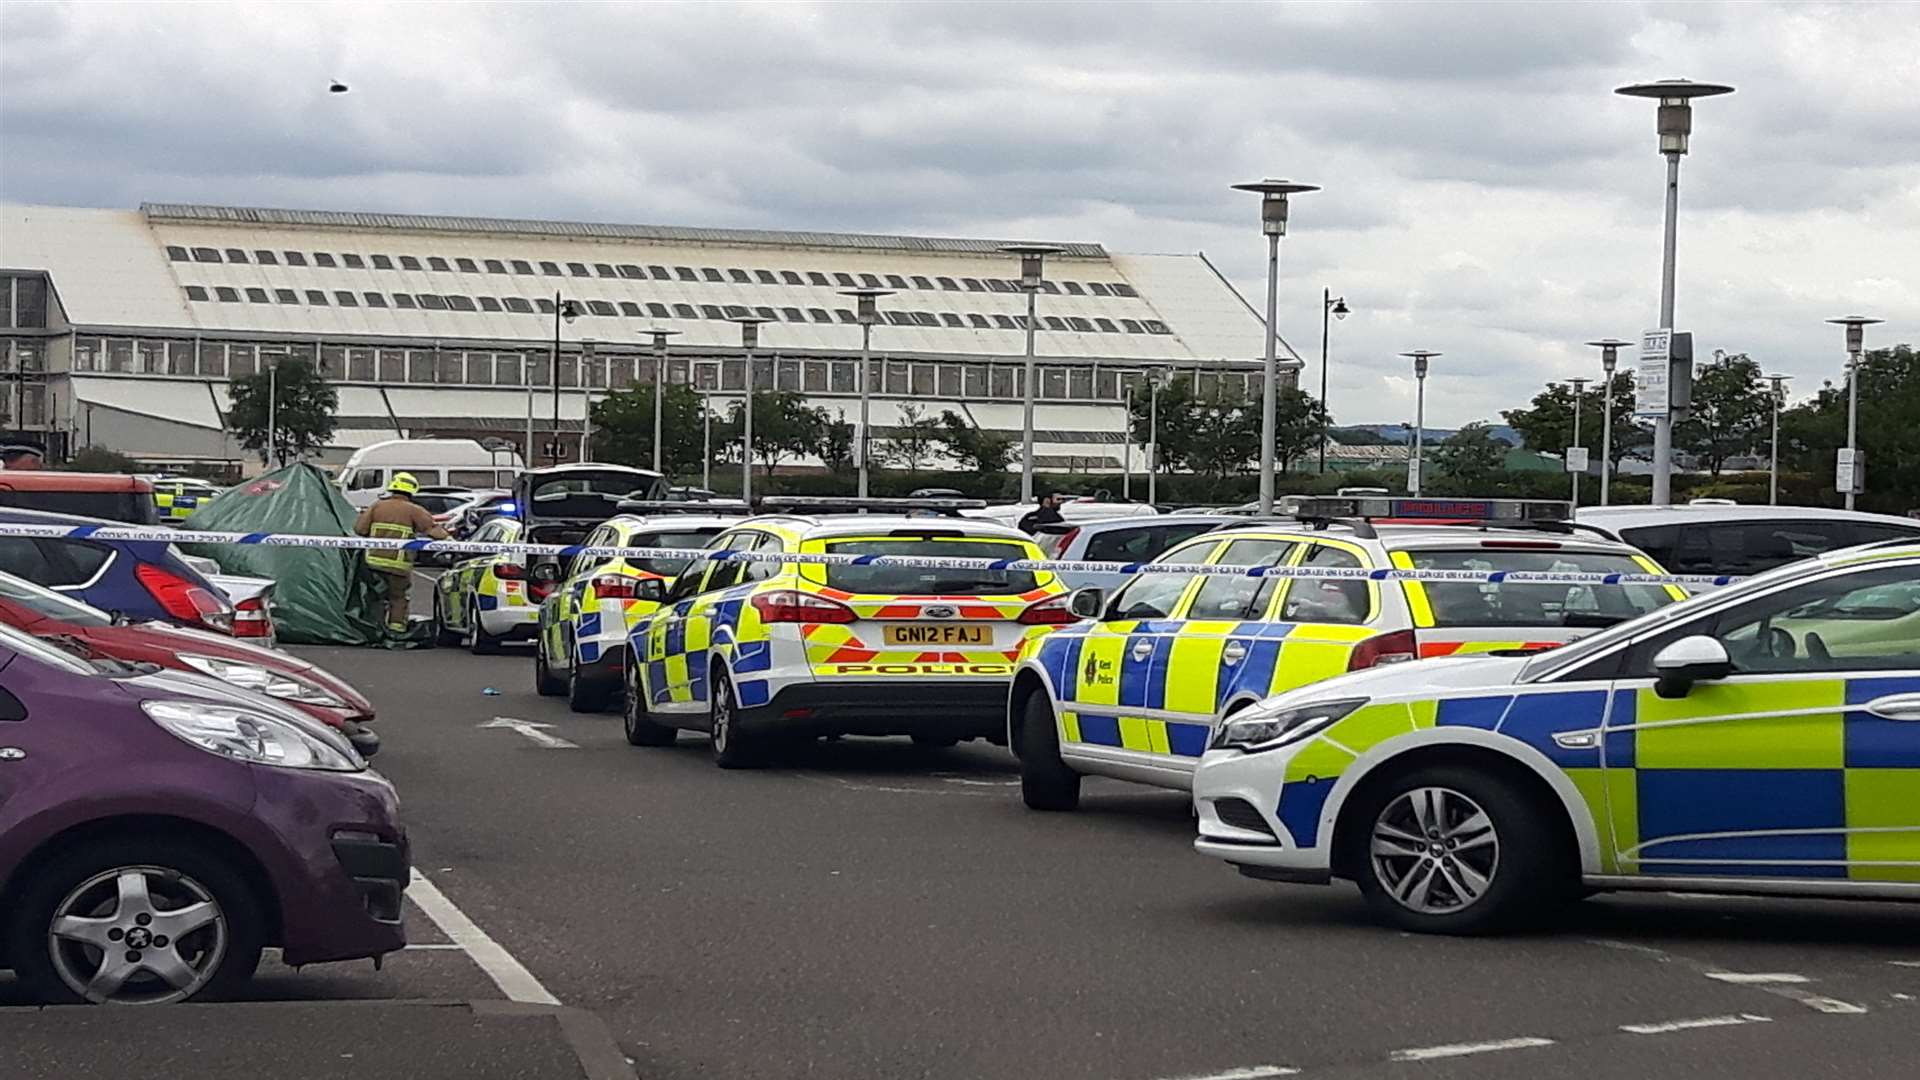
[[486, 601], [757, 652], [594, 604], [1137, 690], [1762, 739], [175, 498]]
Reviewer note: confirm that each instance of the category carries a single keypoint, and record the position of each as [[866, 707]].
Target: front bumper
[[1238, 800], [948, 709], [342, 864]]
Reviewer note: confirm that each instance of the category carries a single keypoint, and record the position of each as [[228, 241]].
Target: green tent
[[325, 596]]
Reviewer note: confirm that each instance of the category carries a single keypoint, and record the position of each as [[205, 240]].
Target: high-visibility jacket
[[395, 518]]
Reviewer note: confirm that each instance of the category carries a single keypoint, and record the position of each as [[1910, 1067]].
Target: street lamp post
[[1579, 393], [587, 357], [1609, 361], [749, 341], [706, 441], [1417, 468], [1674, 123], [273, 405], [1773, 467], [1126, 441], [1157, 380], [568, 310], [1273, 223], [1856, 340], [660, 336], [868, 315], [1032, 258], [1337, 307]]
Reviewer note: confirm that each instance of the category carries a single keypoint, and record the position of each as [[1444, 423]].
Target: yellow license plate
[[936, 634]]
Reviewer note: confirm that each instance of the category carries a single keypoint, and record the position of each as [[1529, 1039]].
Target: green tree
[[836, 445], [1298, 419], [784, 426], [623, 428], [1215, 437], [976, 450], [1812, 433], [913, 442], [1548, 425], [1731, 411], [303, 414], [100, 459], [1471, 457]]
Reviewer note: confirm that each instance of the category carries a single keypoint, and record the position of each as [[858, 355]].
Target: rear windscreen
[[132, 507], [1474, 604], [1142, 543], [440, 504], [668, 567], [923, 581]]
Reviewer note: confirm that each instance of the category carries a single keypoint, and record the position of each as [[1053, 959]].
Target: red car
[[312, 689]]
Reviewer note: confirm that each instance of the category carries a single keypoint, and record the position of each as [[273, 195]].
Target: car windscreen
[[669, 567], [1484, 604], [1142, 543], [132, 507], [51, 604], [926, 581], [46, 652]]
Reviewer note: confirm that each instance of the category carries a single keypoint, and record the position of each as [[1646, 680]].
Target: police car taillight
[[1049, 612], [1383, 649], [613, 587], [794, 606]]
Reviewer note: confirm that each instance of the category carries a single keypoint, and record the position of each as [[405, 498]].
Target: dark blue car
[[143, 580]]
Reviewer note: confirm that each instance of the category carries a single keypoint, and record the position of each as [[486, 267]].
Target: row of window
[[984, 381], [634, 272], [347, 298], [23, 302]]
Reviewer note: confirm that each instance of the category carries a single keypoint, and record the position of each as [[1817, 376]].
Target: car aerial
[[141, 579], [1721, 537], [321, 694], [757, 652], [1136, 691], [584, 621], [175, 498], [159, 829], [1135, 539], [487, 601], [1762, 738]]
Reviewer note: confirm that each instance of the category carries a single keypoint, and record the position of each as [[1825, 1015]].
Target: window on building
[[1005, 322], [488, 303], [949, 379], [845, 280], [1049, 287], [1085, 326], [925, 318], [177, 253], [712, 273], [920, 282], [1053, 382], [432, 302], [895, 281], [948, 284], [658, 310], [898, 318], [521, 266], [1080, 383], [870, 281], [360, 364], [420, 366], [792, 277], [845, 315], [545, 305], [294, 258], [631, 310], [316, 298], [257, 296], [686, 273], [213, 358], [1121, 288], [374, 299], [466, 266], [381, 262], [1073, 288], [408, 262], [579, 269], [518, 305], [321, 258], [685, 311], [976, 380], [1155, 326], [1131, 326], [1001, 285], [786, 375], [820, 314], [899, 376], [630, 272], [242, 360], [978, 321], [551, 269], [973, 284], [403, 301], [345, 298], [352, 261], [1099, 288], [951, 319], [494, 266], [235, 255], [506, 369], [712, 311], [815, 277], [1106, 326], [605, 270], [194, 292], [462, 303], [658, 272], [333, 362], [207, 255], [814, 376], [435, 262], [792, 314], [602, 307], [740, 276]]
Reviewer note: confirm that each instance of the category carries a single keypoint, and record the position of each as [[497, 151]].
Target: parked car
[[433, 462], [319, 693], [175, 498], [141, 579], [1076, 511], [1723, 537], [1127, 539], [159, 829], [484, 507]]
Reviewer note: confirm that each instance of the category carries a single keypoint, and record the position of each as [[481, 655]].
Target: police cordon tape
[[567, 551]]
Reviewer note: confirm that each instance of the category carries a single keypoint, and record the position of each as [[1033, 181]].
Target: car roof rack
[[837, 504], [716, 507]]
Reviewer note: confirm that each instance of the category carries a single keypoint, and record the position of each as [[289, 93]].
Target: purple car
[[158, 829]]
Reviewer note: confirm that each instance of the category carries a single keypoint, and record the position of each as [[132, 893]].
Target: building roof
[[315, 274]]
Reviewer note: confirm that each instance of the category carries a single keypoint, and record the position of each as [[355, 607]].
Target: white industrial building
[[122, 328]]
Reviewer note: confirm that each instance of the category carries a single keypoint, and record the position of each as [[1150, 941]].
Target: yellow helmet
[[403, 483]]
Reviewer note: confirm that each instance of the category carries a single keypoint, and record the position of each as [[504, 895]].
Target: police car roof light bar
[[718, 508], [835, 504], [1488, 511]]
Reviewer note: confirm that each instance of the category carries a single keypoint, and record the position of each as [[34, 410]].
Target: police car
[[175, 498], [486, 601], [754, 652], [585, 619], [1136, 691], [1762, 738]]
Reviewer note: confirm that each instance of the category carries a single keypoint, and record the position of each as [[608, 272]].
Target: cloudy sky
[[1486, 194]]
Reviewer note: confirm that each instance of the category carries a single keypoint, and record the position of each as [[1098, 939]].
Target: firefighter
[[397, 517]]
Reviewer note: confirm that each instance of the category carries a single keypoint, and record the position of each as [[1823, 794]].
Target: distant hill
[[1400, 435]]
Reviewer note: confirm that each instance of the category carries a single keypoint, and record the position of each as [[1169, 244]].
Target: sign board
[[1153, 456], [1652, 377], [1413, 475], [1850, 472], [1576, 459]]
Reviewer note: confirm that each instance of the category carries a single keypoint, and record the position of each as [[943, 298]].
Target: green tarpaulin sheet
[[324, 596]]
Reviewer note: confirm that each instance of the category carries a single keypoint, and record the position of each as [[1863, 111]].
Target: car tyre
[[584, 696], [478, 641], [443, 635], [732, 748], [544, 682], [213, 958], [1046, 783], [637, 719], [1448, 849]]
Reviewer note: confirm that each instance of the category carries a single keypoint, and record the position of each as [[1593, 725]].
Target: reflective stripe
[[390, 560], [1416, 593]]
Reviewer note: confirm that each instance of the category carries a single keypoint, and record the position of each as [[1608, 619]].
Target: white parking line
[[1757, 978], [1248, 1072], [1817, 1002], [1905, 963], [514, 980], [1429, 1053], [1690, 1025]]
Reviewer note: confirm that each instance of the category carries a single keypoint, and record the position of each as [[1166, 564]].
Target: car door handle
[[1142, 650], [1896, 707], [1234, 652]]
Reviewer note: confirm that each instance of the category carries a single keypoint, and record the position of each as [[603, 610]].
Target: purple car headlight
[[246, 735]]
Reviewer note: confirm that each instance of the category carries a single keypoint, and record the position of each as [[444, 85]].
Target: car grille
[[1240, 814], [379, 869]]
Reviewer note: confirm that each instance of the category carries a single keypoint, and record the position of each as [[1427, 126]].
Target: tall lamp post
[[1273, 223], [1032, 258], [867, 301], [1579, 395], [1674, 123], [1609, 362], [749, 341], [273, 403], [1157, 379], [1337, 307], [660, 336], [1773, 466], [1417, 468], [1856, 340], [569, 311], [588, 358]]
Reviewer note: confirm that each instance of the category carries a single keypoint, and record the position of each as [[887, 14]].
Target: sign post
[[1850, 472], [1653, 379]]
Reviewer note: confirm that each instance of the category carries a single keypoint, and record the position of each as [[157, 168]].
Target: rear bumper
[[514, 622], [609, 669], [948, 709]]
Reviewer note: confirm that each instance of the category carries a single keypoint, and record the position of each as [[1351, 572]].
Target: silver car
[[1123, 539]]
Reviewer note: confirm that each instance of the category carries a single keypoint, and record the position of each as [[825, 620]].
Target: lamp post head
[[1273, 202], [749, 330], [1779, 385], [867, 301], [1158, 378], [1340, 308], [1856, 329], [336, 87], [1674, 122], [1032, 256], [1579, 385], [660, 336], [1420, 357], [586, 345], [569, 310], [1609, 352]]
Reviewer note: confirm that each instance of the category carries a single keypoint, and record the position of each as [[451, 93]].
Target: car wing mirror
[[546, 573], [1087, 603], [1690, 660], [653, 590]]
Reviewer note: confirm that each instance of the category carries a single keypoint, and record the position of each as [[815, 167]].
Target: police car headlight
[[263, 680], [1257, 730]]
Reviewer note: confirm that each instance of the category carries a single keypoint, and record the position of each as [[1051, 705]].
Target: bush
[[100, 459]]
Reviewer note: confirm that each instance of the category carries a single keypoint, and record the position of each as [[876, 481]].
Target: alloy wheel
[[722, 717], [1434, 850], [138, 935]]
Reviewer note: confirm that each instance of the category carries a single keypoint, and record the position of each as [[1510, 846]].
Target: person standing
[[1047, 513], [395, 516]]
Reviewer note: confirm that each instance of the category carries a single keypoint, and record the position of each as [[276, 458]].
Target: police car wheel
[[1452, 850], [443, 635], [544, 683], [1045, 781], [477, 640], [732, 748], [584, 696], [637, 719]]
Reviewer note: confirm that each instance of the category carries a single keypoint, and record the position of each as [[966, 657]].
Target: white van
[[433, 462]]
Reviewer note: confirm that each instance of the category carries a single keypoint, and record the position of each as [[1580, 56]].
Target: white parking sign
[[1652, 382]]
